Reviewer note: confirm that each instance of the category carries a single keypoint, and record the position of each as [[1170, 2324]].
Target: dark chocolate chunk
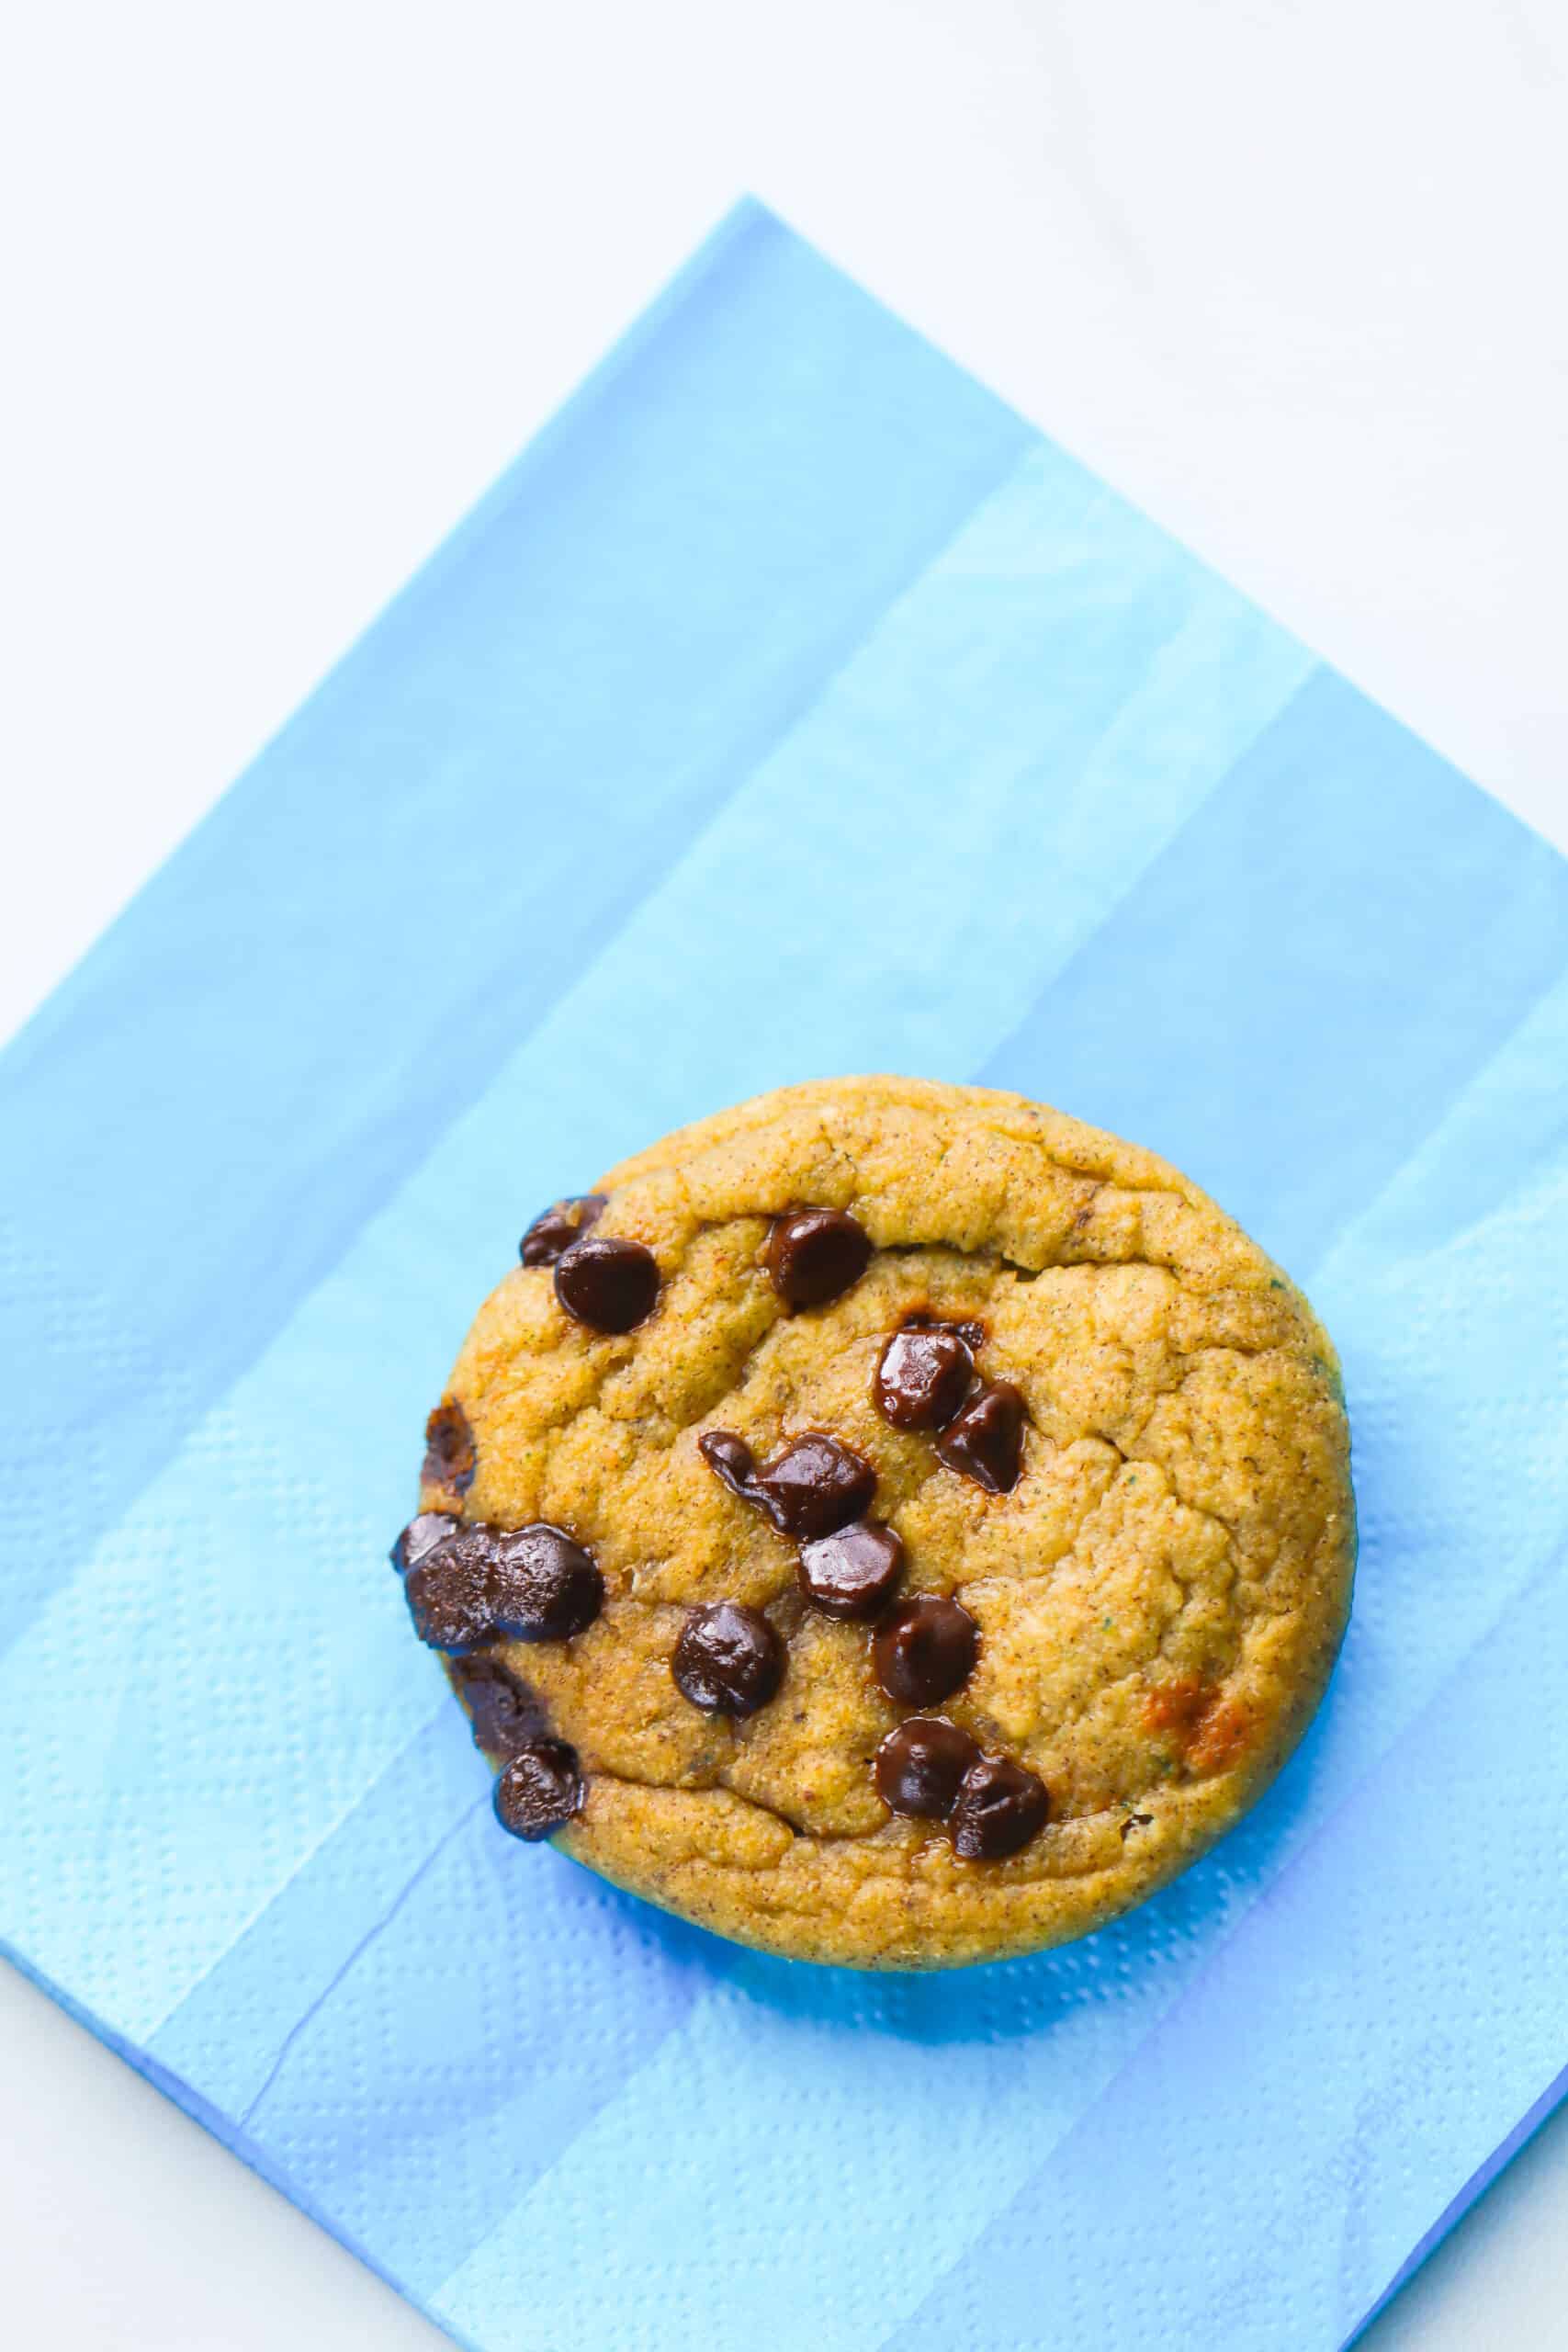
[[1000, 1806], [609, 1284], [816, 1255], [922, 1378], [544, 1587], [728, 1659], [925, 1650], [986, 1443], [506, 1715], [540, 1789], [921, 1764], [449, 1593], [533, 1584], [449, 1447], [729, 1458], [556, 1228], [854, 1572], [814, 1486], [420, 1535]]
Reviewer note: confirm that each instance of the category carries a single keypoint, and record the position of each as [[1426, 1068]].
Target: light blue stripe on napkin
[[789, 708]]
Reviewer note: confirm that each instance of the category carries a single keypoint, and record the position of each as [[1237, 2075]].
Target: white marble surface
[[293, 282]]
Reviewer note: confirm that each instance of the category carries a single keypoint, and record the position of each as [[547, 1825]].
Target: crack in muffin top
[[1160, 1595]]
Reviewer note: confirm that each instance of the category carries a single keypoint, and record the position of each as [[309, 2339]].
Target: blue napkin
[[790, 708]]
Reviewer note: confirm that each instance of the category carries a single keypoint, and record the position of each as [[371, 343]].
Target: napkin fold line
[[1450, 1104], [317, 1846], [453, 1829]]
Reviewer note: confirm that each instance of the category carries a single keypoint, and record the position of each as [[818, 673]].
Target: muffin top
[[887, 1523]]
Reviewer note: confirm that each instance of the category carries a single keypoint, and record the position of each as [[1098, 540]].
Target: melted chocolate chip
[[854, 1572], [1000, 1806], [544, 1587], [729, 1458], [813, 1488], [540, 1789], [816, 1255], [420, 1535], [556, 1228], [921, 1764], [449, 1593], [506, 1715], [985, 1442], [609, 1284], [728, 1659], [923, 1377], [925, 1651], [449, 1447], [533, 1584]]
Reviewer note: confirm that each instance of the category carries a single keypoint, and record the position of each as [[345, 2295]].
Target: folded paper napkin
[[791, 708]]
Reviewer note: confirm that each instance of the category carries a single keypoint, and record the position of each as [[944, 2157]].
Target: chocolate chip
[[540, 1789], [1000, 1808], [854, 1572], [729, 1458], [449, 1593], [556, 1228], [609, 1284], [926, 1650], [505, 1714], [544, 1587], [533, 1584], [420, 1535], [921, 1764], [816, 1255], [813, 1487], [985, 1442], [922, 1378], [449, 1447], [810, 1490], [728, 1659]]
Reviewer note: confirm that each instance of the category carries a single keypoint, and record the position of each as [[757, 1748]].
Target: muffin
[[889, 1523]]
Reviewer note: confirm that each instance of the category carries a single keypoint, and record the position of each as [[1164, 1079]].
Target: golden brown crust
[[1161, 1597]]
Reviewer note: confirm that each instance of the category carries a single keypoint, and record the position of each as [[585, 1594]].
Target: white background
[[284, 287]]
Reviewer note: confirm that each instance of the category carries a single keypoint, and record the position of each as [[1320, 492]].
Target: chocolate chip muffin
[[889, 1523]]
